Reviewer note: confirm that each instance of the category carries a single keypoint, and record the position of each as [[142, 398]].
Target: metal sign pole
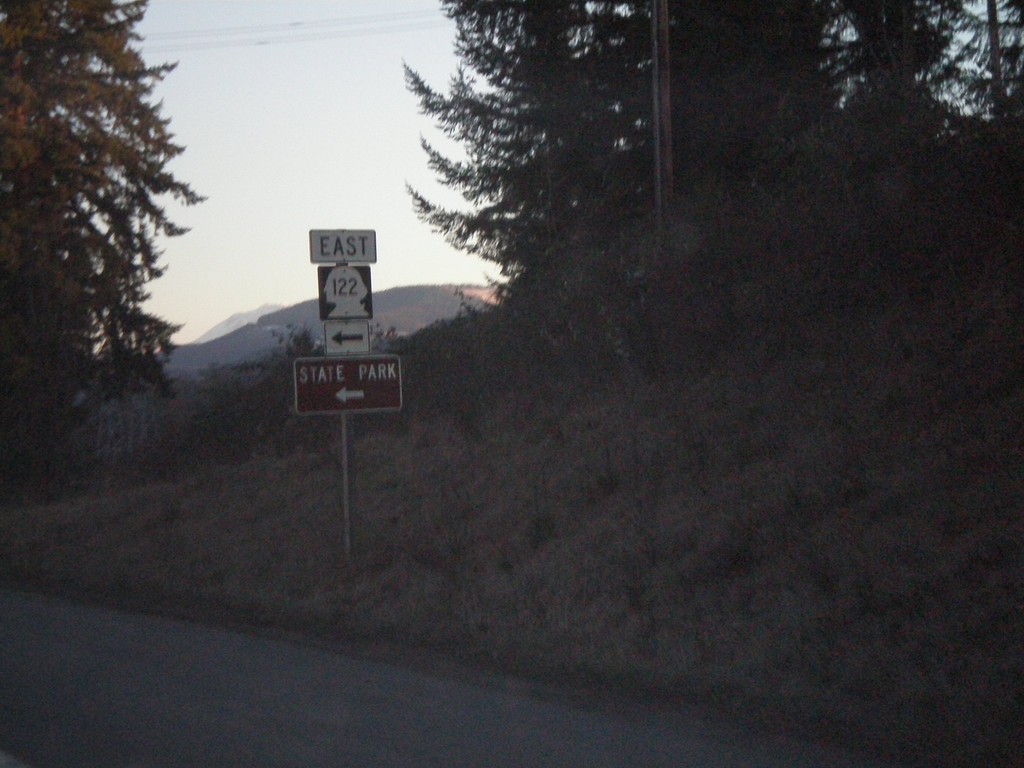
[[661, 113], [350, 379], [346, 513]]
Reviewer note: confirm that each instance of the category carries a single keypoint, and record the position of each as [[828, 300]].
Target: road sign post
[[346, 504], [346, 380]]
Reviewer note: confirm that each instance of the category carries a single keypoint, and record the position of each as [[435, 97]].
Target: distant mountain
[[237, 321], [406, 310]]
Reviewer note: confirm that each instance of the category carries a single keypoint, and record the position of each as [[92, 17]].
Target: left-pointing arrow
[[341, 338], [344, 395]]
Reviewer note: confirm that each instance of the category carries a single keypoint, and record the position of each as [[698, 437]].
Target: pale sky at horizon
[[297, 118]]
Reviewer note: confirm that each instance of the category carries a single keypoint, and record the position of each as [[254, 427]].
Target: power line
[[292, 32], [289, 25]]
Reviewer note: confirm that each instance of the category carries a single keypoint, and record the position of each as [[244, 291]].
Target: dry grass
[[820, 531]]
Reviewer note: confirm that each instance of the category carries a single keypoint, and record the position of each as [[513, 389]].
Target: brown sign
[[358, 383]]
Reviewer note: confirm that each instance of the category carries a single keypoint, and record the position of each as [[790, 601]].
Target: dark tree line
[[83, 168], [552, 109], [552, 104]]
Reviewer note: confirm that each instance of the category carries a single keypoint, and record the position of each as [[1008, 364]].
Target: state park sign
[[364, 383]]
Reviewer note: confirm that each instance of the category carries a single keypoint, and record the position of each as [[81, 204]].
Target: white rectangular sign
[[346, 337], [343, 246]]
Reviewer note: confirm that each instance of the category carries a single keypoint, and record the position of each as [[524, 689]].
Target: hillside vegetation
[[791, 490]]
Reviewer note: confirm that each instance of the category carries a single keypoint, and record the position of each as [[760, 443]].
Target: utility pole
[[995, 56], [662, 112]]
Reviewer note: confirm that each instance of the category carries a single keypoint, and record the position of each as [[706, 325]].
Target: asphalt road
[[82, 686]]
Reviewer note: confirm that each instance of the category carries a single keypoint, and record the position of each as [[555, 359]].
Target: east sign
[[343, 246]]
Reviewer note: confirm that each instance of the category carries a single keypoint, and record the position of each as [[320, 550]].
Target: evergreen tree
[[83, 165], [550, 106], [1012, 28], [906, 42], [995, 46], [746, 77]]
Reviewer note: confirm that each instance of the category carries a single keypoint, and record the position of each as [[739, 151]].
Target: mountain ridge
[[236, 321], [402, 310]]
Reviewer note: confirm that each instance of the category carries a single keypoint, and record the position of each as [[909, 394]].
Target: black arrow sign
[[341, 338]]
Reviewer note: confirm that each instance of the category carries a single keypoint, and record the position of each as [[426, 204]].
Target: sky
[[294, 116]]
